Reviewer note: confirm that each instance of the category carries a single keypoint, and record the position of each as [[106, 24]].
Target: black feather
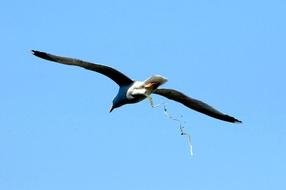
[[195, 104]]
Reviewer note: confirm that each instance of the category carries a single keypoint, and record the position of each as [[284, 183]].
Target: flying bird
[[132, 91]]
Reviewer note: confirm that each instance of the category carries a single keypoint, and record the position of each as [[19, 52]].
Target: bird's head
[[116, 103], [120, 99], [112, 108]]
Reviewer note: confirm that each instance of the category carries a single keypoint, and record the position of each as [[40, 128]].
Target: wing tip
[[39, 53], [236, 121], [42, 55], [232, 119], [34, 52]]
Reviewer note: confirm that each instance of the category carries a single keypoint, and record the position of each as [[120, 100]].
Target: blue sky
[[55, 129]]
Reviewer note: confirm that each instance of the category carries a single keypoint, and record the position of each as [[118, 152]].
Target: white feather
[[139, 87]]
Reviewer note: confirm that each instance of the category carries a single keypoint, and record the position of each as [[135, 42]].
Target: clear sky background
[[55, 128]]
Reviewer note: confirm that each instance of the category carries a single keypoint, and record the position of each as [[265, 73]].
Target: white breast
[[137, 88], [145, 88]]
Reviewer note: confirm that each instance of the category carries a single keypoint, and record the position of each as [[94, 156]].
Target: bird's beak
[[111, 108]]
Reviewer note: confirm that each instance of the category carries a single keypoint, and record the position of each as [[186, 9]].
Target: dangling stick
[[181, 127]]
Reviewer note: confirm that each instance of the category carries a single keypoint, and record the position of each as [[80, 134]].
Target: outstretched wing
[[195, 104], [113, 74]]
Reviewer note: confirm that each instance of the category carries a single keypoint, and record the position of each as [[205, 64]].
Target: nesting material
[[179, 121]]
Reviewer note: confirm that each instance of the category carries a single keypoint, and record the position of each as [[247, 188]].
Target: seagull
[[133, 91]]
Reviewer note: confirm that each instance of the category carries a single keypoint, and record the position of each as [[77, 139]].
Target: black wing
[[195, 104], [113, 74]]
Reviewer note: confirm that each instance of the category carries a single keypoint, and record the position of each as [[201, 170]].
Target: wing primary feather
[[195, 104], [113, 74]]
